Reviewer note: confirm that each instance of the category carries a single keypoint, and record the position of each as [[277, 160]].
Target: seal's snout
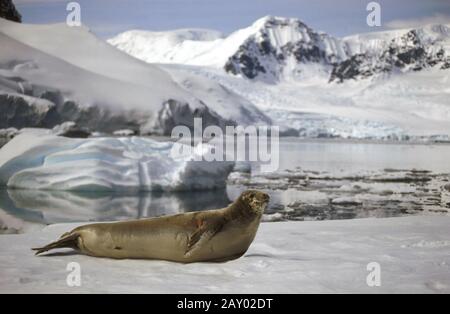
[[265, 198], [256, 200]]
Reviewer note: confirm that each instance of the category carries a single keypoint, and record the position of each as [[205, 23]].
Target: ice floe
[[286, 257]]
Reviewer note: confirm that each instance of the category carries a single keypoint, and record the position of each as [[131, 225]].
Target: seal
[[208, 236]]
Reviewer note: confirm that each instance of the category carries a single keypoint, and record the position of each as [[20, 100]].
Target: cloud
[[417, 22]]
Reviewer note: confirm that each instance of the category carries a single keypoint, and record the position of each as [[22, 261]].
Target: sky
[[107, 18]]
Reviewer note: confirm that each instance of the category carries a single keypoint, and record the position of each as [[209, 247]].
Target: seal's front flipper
[[68, 240], [205, 232]]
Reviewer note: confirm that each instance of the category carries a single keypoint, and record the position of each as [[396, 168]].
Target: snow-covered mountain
[[391, 84], [178, 46], [274, 49], [54, 73], [279, 48], [401, 51], [269, 49]]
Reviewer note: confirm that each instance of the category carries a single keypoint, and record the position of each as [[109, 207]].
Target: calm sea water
[[20, 209], [331, 155]]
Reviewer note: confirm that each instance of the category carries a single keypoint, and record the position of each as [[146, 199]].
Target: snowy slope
[[169, 47], [79, 47], [221, 98], [405, 106], [98, 86], [177, 46], [286, 257]]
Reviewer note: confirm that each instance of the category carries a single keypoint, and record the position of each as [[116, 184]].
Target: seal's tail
[[67, 240]]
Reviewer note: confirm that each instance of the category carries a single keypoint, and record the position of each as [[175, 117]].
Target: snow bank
[[41, 161], [289, 257]]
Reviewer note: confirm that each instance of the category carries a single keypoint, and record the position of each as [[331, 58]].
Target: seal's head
[[255, 200]]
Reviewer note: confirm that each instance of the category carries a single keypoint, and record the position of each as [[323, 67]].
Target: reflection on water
[[22, 209], [312, 195], [336, 179]]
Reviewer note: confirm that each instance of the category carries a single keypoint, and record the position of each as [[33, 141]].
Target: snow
[[79, 47], [165, 47], [81, 50], [64, 127], [48, 162], [220, 98], [411, 105], [73, 65], [161, 47], [124, 132], [286, 257]]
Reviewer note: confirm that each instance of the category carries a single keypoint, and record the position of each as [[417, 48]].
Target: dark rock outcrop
[[174, 114], [8, 11]]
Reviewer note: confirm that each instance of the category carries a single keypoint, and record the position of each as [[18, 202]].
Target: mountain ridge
[[275, 48]]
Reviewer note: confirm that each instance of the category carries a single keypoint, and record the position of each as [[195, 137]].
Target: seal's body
[[214, 235]]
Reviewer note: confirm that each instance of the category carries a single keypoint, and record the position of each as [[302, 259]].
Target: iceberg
[[42, 161]]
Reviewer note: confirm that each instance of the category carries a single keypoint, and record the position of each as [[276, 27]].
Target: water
[[332, 155], [316, 180]]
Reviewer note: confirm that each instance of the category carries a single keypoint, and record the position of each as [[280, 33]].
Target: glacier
[[42, 161]]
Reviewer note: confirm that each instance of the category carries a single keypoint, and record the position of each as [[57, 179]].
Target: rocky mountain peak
[[278, 45], [8, 11], [414, 50]]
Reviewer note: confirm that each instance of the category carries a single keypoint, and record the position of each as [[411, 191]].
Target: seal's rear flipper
[[66, 241]]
